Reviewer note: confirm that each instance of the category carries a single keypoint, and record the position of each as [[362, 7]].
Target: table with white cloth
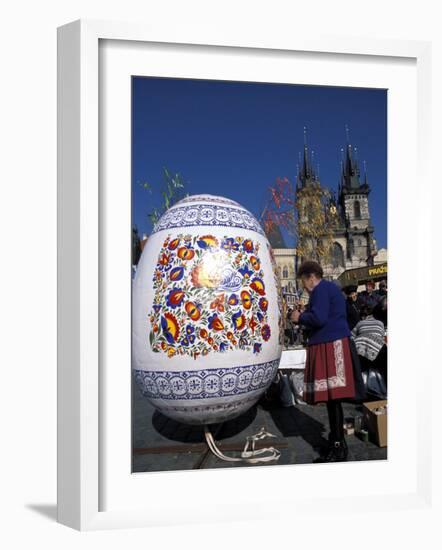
[[291, 375]]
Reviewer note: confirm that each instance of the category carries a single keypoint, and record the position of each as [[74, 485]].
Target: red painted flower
[[218, 303], [173, 244], [165, 258], [265, 332], [253, 324], [256, 264], [248, 245], [215, 323], [185, 253], [192, 311], [246, 299], [258, 286]]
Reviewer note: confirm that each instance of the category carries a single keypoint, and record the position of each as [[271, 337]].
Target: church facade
[[347, 215], [349, 230]]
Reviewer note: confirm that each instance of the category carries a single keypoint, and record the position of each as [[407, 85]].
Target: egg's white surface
[[199, 356]]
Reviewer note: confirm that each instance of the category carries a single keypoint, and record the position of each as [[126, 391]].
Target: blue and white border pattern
[[223, 409], [207, 214], [207, 383], [207, 198]]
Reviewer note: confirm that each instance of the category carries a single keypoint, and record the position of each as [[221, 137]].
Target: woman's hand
[[294, 317]]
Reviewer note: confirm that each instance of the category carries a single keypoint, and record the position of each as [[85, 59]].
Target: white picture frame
[[80, 294]]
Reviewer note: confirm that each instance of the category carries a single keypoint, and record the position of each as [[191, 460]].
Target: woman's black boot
[[337, 452]]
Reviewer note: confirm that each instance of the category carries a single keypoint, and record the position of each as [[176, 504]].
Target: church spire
[[307, 174], [350, 173]]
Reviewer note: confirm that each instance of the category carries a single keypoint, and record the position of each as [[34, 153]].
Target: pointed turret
[[306, 174], [351, 169], [350, 173]]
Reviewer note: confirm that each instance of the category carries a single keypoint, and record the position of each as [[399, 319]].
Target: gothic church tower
[[355, 214]]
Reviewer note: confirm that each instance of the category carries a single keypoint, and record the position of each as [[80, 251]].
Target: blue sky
[[235, 138]]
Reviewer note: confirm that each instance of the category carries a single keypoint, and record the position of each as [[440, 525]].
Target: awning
[[361, 275]]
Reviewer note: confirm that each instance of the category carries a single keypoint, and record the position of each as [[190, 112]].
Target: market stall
[[361, 275]]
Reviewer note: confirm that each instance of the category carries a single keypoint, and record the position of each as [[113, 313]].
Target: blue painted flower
[[208, 241], [190, 329], [170, 326], [260, 316], [229, 244], [257, 348], [176, 274], [238, 321], [175, 297], [156, 307], [233, 300], [223, 346], [245, 272]]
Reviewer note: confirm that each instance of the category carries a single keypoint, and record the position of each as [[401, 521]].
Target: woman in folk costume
[[329, 372]]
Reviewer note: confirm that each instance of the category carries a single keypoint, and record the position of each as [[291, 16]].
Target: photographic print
[[259, 274]]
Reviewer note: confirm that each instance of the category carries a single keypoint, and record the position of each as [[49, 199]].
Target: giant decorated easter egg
[[206, 327]]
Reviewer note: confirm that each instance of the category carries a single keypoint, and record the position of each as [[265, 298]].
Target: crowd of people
[[367, 320], [345, 335]]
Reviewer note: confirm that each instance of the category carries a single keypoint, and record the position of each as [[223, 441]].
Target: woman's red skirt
[[328, 372]]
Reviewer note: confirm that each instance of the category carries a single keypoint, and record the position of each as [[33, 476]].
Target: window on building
[[285, 272], [338, 256], [357, 207]]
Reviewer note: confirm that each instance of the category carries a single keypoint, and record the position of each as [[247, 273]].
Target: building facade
[[349, 231], [346, 220]]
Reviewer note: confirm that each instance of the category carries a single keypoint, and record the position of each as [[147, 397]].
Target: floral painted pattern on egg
[[206, 312]]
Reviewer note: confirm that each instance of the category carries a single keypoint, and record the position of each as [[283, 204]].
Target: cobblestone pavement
[[301, 431]]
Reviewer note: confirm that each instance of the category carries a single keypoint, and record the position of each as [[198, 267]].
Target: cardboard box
[[376, 424]]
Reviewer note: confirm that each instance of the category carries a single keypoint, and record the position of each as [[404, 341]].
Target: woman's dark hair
[[349, 289], [308, 268]]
